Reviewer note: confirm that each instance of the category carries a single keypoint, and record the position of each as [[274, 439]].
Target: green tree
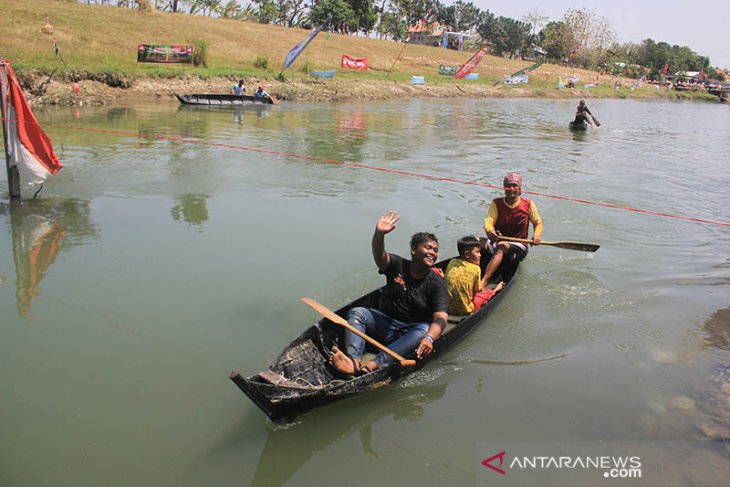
[[393, 26], [267, 11], [339, 12], [230, 10], [460, 17], [506, 36], [364, 14], [291, 12], [557, 40]]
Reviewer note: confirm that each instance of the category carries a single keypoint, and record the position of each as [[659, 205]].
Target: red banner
[[354, 62]]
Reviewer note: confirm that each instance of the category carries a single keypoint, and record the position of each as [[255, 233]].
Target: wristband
[[429, 338]]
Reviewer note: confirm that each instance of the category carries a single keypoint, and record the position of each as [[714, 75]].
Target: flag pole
[[399, 54], [13, 174]]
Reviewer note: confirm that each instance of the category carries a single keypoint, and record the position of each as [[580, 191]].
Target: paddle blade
[[583, 247]]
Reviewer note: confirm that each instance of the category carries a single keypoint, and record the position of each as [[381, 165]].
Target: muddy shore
[[80, 90]]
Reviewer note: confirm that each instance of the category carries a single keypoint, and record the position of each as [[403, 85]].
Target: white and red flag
[[36, 244], [26, 145]]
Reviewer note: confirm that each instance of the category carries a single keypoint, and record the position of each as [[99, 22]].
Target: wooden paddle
[[563, 245], [590, 121], [595, 120], [335, 318]]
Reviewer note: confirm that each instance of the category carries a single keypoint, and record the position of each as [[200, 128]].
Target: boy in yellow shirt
[[464, 281]]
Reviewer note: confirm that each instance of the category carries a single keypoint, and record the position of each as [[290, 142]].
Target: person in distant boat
[[467, 290], [581, 114], [238, 89], [412, 311], [261, 93], [510, 217]]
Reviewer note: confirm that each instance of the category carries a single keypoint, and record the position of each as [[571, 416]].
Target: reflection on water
[[717, 330], [239, 114], [352, 123], [191, 209], [287, 450], [40, 230]]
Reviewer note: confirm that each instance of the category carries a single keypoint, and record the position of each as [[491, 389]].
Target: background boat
[[222, 100]]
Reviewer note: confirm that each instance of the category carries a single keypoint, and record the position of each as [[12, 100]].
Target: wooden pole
[[408, 39]]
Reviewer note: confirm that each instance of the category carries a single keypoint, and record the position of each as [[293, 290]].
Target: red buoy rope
[[395, 171]]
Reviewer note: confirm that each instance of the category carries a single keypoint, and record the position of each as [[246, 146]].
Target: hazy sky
[[704, 26]]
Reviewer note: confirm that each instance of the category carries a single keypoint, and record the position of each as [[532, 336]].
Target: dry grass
[[95, 38]]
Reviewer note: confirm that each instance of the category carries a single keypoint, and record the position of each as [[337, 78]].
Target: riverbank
[[96, 62], [80, 89], [93, 92]]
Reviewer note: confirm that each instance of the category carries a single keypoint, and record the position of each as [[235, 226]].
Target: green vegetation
[[200, 54]]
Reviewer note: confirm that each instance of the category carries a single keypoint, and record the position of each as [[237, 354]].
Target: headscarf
[[512, 178]]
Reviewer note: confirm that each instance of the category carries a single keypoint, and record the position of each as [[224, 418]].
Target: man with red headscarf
[[510, 217]]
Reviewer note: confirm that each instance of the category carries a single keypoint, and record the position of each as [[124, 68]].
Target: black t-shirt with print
[[412, 300]]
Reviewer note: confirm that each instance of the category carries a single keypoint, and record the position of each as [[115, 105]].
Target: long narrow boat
[[222, 100], [300, 378]]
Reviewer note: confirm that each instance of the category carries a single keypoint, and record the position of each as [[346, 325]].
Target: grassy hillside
[[104, 39]]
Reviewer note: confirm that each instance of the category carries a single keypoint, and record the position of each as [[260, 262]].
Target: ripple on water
[[423, 376], [663, 356]]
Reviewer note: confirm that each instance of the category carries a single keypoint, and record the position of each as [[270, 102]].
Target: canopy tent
[[453, 38]]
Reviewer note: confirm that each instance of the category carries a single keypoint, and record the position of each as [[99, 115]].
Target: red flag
[[354, 62], [470, 64], [665, 70], [27, 146]]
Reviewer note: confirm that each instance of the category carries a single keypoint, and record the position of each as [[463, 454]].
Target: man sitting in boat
[[467, 290], [238, 89], [261, 93], [412, 310], [510, 217], [581, 115]]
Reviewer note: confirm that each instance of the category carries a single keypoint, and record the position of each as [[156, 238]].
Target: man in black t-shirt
[[412, 309]]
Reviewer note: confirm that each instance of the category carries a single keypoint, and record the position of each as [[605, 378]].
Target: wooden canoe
[[222, 100], [582, 126], [300, 378]]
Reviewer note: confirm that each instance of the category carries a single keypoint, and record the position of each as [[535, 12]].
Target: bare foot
[[342, 363], [499, 287]]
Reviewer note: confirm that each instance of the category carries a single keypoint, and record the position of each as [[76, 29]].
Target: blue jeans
[[400, 336]]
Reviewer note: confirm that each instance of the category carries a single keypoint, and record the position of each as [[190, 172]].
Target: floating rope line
[[393, 171], [48, 30]]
